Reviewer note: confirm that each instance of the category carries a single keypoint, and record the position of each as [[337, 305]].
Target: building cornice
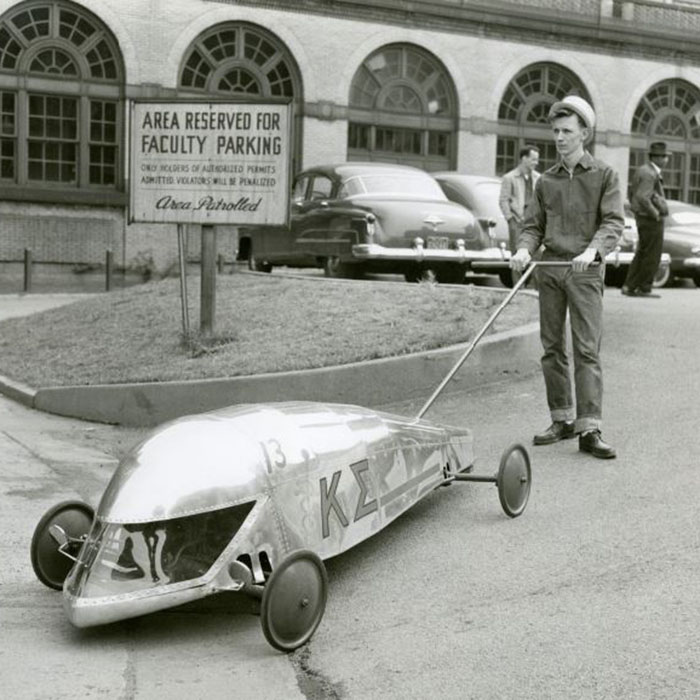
[[510, 22]]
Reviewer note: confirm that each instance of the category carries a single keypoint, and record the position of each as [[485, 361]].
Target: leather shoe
[[593, 444], [559, 430], [630, 292]]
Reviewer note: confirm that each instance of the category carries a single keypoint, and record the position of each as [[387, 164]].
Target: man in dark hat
[[649, 207]]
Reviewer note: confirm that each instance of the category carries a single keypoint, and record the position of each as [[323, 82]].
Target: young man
[[576, 213], [517, 187], [649, 207]]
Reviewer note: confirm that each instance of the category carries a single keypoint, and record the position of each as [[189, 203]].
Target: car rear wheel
[[615, 276], [335, 269], [696, 279], [258, 265], [663, 276], [506, 277]]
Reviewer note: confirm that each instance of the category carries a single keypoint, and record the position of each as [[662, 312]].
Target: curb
[[371, 383]]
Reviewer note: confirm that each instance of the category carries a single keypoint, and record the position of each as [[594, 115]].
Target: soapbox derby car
[[251, 498]]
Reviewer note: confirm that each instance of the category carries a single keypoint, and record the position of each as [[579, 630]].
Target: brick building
[[447, 84]]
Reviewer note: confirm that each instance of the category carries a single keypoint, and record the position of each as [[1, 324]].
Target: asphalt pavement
[[592, 593]]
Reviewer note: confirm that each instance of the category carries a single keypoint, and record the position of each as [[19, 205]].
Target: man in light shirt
[[517, 187]]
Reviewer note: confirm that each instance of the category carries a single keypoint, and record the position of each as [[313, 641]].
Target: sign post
[[209, 163], [208, 281], [183, 280]]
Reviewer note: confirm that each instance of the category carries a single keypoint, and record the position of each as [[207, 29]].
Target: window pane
[[7, 159], [51, 172], [8, 119], [53, 128], [53, 149], [438, 143], [102, 158], [359, 135]]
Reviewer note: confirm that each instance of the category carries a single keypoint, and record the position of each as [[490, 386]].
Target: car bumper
[[620, 259], [693, 263], [367, 252]]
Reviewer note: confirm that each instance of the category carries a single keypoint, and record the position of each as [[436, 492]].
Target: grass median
[[263, 324]]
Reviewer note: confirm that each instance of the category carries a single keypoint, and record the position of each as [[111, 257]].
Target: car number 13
[[274, 455]]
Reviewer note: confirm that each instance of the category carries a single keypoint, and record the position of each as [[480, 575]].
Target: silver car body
[[250, 484]]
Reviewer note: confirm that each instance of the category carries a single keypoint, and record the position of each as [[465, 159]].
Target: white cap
[[576, 104]]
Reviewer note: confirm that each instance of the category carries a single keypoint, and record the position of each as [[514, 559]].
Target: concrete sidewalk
[[14, 305]]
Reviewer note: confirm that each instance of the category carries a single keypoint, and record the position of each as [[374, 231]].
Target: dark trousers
[[581, 294], [648, 255]]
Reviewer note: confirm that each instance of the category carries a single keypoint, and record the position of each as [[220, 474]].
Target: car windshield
[[126, 558], [392, 184], [487, 194]]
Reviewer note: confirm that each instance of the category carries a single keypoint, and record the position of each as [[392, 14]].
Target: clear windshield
[[126, 558], [486, 195], [392, 184]]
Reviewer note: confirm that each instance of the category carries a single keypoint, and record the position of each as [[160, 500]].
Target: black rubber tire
[[294, 600], [514, 480], [615, 276], [50, 565], [506, 277], [257, 266], [454, 274], [663, 277], [333, 268]]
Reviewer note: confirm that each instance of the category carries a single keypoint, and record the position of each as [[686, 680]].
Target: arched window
[[522, 114], [403, 109], [670, 112], [243, 59], [61, 91]]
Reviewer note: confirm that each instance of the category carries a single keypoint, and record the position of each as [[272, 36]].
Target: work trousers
[[581, 293], [648, 254]]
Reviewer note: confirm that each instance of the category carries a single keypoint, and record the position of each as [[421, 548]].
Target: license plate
[[440, 242]]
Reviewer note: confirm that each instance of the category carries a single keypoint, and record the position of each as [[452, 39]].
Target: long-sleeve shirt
[[513, 197], [647, 198], [572, 211]]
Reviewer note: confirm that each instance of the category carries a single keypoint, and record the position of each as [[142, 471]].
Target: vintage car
[[251, 498], [352, 218], [480, 193]]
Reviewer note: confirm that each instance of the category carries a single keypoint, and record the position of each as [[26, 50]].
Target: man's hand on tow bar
[[520, 260], [585, 260]]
